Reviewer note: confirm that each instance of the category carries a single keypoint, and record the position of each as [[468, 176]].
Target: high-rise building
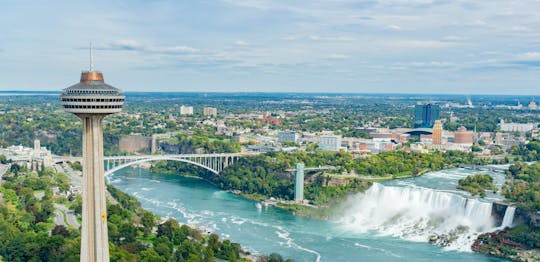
[[186, 110], [92, 100], [299, 183], [210, 111], [330, 142], [287, 136], [425, 115], [437, 132]]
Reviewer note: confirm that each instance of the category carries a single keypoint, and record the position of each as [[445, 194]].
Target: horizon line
[[293, 92]]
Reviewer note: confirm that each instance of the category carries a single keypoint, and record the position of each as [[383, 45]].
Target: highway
[[70, 216]]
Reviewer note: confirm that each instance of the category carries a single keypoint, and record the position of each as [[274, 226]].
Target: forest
[[29, 232]]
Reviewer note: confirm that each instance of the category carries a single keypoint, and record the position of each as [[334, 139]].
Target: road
[[3, 170], [75, 177], [59, 218], [70, 216]]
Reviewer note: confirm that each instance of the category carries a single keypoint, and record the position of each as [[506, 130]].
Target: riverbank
[[502, 243], [517, 252], [269, 229], [199, 237]]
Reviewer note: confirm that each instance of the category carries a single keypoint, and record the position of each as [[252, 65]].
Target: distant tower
[[92, 100], [437, 132], [37, 145], [532, 105], [299, 183]]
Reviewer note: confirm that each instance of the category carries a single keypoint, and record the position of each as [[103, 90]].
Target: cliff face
[[175, 148], [507, 243], [135, 143], [521, 216]]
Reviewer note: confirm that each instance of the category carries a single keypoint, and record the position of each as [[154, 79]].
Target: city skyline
[[451, 47]]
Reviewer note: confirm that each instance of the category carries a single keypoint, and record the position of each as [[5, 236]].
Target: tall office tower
[[92, 100], [425, 115], [437, 132], [299, 183]]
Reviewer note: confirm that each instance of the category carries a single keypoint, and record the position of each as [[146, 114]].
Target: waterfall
[[508, 219], [418, 214]]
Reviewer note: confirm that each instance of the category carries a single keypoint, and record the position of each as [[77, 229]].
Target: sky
[[366, 46]]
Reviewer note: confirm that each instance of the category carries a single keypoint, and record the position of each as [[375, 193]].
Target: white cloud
[[432, 64], [453, 38], [263, 5], [405, 2], [520, 29], [124, 44], [394, 27], [241, 43], [173, 49], [529, 56], [338, 56], [290, 37], [134, 45], [331, 38], [424, 44]]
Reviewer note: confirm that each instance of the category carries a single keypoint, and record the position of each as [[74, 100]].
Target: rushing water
[[416, 214], [508, 219], [389, 223]]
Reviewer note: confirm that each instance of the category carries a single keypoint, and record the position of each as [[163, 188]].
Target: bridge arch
[[150, 159]]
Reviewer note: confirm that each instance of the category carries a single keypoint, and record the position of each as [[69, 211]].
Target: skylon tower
[[92, 100]]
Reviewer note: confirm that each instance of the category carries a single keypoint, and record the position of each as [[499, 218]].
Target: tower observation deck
[[92, 100]]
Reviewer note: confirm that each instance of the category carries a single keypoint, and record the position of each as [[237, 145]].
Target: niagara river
[[392, 221]]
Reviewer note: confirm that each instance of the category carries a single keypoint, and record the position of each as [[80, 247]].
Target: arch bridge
[[214, 163]]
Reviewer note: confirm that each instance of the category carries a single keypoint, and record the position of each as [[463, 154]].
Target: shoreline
[[315, 212], [324, 212]]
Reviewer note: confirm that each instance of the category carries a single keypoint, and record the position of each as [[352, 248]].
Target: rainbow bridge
[[214, 163]]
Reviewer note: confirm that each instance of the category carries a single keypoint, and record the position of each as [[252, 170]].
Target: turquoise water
[[270, 229]]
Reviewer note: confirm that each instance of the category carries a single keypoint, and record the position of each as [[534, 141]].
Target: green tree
[[150, 255], [168, 229], [274, 257], [149, 222], [128, 231]]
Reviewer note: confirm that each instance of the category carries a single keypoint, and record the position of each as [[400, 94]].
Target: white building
[[517, 127], [330, 142], [287, 136], [186, 110], [210, 111], [31, 158]]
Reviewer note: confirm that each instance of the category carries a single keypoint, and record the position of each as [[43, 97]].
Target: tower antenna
[[91, 58]]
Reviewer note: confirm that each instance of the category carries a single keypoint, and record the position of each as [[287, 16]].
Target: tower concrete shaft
[[91, 100], [94, 235]]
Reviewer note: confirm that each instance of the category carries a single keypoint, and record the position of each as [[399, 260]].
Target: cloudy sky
[[366, 46]]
